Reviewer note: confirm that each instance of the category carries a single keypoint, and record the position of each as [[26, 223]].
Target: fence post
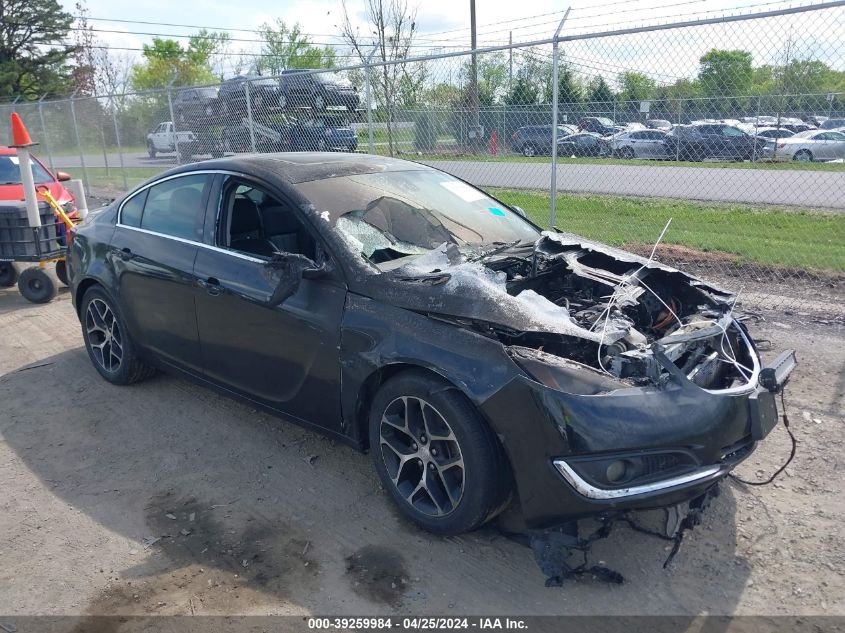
[[79, 141], [44, 135], [249, 117], [173, 122], [678, 144], [756, 126], [368, 90], [119, 146], [553, 187]]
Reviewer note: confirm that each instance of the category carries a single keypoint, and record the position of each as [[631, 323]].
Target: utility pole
[[473, 86], [555, 105], [510, 61]]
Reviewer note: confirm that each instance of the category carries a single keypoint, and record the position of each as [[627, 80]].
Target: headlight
[[564, 375]]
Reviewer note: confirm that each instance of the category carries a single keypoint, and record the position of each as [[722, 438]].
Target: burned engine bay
[[584, 306]]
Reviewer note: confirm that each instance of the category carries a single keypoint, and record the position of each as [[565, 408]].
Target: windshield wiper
[[502, 247]]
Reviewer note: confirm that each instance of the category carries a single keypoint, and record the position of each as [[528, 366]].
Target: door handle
[[211, 285], [125, 253]]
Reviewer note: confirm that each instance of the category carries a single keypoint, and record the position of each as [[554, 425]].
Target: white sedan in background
[[639, 143], [818, 145]]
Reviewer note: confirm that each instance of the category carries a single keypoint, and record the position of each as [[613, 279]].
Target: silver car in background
[[812, 145], [639, 143]]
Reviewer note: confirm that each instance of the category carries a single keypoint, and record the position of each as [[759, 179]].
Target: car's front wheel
[[435, 455], [528, 150], [804, 156], [107, 340], [151, 150]]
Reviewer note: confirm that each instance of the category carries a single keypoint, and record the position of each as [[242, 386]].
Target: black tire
[[803, 155], [319, 102], [36, 285], [529, 150], [151, 150], [473, 461], [627, 153], [8, 274], [283, 101], [130, 368], [61, 272]]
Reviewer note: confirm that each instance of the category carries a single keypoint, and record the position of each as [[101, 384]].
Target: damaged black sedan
[[485, 364]]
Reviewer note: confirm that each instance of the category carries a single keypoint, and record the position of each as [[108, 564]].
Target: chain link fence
[[733, 127]]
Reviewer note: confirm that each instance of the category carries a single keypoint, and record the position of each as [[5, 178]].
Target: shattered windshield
[[394, 215]]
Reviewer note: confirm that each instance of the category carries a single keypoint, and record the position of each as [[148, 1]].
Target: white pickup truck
[[164, 139]]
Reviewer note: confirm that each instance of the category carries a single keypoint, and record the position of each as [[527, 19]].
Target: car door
[[837, 145], [283, 356], [152, 254], [652, 144]]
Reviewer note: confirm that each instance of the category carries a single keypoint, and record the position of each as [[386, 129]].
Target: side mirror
[[286, 271], [62, 176]]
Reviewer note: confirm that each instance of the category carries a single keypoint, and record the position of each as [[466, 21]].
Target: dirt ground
[[166, 498]]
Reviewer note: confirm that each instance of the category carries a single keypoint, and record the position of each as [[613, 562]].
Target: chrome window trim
[[195, 243], [592, 492]]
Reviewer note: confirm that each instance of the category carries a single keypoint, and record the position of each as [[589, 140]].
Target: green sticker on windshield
[[496, 211]]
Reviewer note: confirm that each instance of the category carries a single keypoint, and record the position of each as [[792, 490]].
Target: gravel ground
[[166, 498]]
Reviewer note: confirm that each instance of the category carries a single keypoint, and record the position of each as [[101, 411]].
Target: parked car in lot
[[598, 125], [639, 144], [712, 140], [813, 145], [396, 308], [531, 140], [832, 124], [10, 180], [313, 89], [584, 144], [264, 93], [192, 104], [658, 124], [324, 132], [773, 133]]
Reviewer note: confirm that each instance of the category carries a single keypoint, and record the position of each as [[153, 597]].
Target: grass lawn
[[799, 239], [113, 178]]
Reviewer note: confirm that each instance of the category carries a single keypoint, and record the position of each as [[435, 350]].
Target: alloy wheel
[[422, 456], [104, 337]]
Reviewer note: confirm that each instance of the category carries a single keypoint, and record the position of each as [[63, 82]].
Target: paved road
[[815, 189]]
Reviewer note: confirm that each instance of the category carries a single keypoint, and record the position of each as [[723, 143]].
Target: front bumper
[[546, 432]]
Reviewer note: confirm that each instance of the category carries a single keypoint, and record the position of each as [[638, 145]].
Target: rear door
[[152, 253], [284, 356]]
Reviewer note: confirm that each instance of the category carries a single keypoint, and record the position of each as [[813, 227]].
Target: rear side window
[[132, 210], [174, 207]]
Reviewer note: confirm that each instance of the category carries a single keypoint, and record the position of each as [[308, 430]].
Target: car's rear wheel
[[8, 274], [107, 340], [283, 101], [627, 153], [435, 455], [319, 102], [151, 150], [804, 156], [529, 150], [36, 285]]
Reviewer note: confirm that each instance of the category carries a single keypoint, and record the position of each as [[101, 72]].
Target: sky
[[443, 25]]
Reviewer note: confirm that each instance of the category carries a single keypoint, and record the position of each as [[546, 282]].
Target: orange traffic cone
[[20, 137]]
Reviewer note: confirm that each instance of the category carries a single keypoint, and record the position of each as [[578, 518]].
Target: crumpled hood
[[443, 283]]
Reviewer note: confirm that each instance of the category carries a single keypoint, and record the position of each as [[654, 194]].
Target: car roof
[[8, 151], [296, 167]]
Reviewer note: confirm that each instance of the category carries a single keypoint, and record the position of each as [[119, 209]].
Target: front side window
[[175, 207], [254, 222]]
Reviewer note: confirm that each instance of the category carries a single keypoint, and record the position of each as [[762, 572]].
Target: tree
[[599, 91], [394, 25], [492, 77], [286, 47], [725, 73], [523, 92], [33, 58], [166, 63], [635, 87], [569, 88], [98, 71]]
